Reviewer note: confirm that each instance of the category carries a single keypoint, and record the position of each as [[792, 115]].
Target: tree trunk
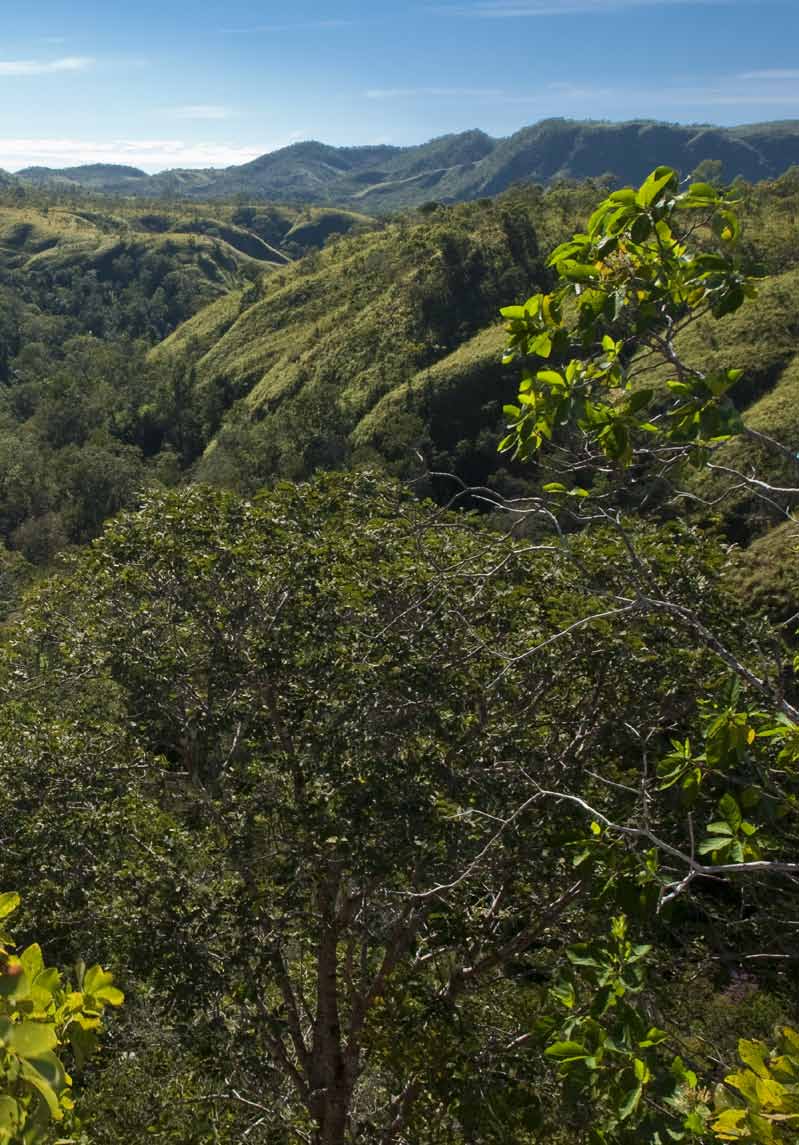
[[331, 1088]]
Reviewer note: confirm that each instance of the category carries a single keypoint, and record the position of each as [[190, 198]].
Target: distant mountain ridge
[[454, 168]]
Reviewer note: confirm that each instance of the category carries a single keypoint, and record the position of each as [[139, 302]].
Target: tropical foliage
[[401, 823], [39, 1013]]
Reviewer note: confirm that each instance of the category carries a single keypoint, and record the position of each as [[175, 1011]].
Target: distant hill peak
[[88, 169], [378, 178]]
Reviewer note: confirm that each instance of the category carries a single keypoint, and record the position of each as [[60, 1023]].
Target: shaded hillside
[[92, 176], [454, 168], [762, 339], [86, 289], [387, 346], [298, 367]]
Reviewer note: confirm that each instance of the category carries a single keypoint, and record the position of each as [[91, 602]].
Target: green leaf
[[754, 1054], [703, 191], [32, 960], [577, 271], [32, 1039], [729, 1125], [542, 345], [719, 828], [642, 1071], [709, 846], [731, 811], [694, 1123], [630, 1103], [658, 181], [10, 1114], [563, 992], [566, 1051], [110, 995], [32, 1075], [9, 901], [550, 377]]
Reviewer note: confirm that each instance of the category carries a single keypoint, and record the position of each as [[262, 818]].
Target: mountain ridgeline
[[453, 168]]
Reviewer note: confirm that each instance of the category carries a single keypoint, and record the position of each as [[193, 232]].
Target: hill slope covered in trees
[[229, 354]]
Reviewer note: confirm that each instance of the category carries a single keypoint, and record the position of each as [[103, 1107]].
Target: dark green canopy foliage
[[281, 738]]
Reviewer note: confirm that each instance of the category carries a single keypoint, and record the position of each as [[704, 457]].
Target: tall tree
[[328, 746]]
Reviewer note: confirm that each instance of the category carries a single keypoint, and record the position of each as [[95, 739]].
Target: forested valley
[[399, 727]]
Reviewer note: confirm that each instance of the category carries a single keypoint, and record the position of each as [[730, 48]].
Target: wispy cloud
[[595, 100], [510, 9], [435, 93], [201, 111], [771, 74], [45, 67], [148, 154], [490, 95], [303, 26]]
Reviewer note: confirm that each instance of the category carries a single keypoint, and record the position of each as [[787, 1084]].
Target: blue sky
[[162, 83]]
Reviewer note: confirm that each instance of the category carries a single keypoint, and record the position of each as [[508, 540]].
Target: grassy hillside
[[386, 344], [274, 340], [87, 287], [385, 347], [364, 347]]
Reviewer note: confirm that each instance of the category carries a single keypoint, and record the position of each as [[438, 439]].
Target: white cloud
[[771, 74], [510, 9], [201, 111], [434, 93], [615, 102], [490, 95], [303, 26], [148, 154], [45, 67]]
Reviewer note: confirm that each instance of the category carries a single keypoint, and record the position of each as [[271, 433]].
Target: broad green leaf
[[10, 1113], [731, 1125], [703, 191], [32, 1075], [32, 960], [630, 1103], [731, 811], [48, 1066], [9, 901], [551, 377], [657, 182], [32, 1039]]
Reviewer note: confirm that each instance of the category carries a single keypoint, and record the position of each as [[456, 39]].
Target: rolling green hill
[[385, 348], [386, 345], [358, 351], [269, 341]]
